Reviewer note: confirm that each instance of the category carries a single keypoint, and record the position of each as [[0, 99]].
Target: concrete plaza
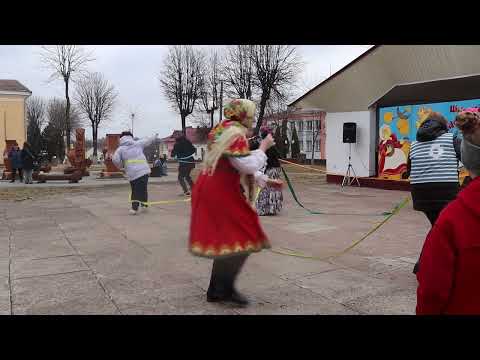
[[75, 250]]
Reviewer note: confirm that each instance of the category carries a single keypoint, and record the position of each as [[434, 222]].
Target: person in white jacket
[[131, 158]]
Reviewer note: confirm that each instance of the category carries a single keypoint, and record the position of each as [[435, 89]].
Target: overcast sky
[[133, 70]]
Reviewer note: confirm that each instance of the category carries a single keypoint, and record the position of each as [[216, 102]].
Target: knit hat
[[471, 156], [469, 123]]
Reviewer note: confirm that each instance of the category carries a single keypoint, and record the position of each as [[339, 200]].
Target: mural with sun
[[398, 128]]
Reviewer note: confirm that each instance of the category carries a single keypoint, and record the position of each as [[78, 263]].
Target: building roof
[[13, 86], [453, 89], [377, 71], [192, 134]]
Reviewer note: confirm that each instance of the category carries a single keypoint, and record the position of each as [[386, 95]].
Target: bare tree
[[36, 120], [181, 79], [95, 98], [56, 116], [66, 62], [276, 69], [210, 93], [239, 71]]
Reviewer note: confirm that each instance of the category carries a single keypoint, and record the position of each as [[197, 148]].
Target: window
[[309, 145], [301, 145], [300, 125], [317, 145], [309, 125], [317, 124]]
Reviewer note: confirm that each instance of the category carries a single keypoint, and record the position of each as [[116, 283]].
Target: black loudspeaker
[[349, 133]]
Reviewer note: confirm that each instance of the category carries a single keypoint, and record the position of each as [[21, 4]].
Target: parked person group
[[183, 151], [450, 261], [22, 162], [130, 156], [28, 162], [433, 168]]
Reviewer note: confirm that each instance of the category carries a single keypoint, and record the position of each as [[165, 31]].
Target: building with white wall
[[388, 91], [310, 127]]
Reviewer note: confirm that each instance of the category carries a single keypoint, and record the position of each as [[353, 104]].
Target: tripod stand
[[350, 175]]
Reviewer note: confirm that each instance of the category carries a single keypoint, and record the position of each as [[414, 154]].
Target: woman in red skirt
[[224, 226]]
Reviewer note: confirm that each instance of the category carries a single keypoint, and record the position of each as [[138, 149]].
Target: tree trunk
[[95, 137], [67, 115], [211, 119], [220, 111], [183, 123], [263, 103]]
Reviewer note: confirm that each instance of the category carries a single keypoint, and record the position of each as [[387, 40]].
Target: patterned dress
[[270, 199]]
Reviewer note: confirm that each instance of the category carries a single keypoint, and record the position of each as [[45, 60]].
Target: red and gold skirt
[[223, 223]]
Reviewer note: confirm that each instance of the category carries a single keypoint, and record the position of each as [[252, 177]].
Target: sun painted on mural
[[398, 128]]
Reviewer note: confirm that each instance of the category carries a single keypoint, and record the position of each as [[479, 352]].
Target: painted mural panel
[[398, 128]]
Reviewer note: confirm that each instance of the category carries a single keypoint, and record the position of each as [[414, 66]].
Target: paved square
[[77, 251]]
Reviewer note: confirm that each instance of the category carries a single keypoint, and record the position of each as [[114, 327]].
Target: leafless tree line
[[193, 80], [94, 97]]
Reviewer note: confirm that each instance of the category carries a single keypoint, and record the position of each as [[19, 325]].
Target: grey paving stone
[[4, 296], [72, 294], [38, 249], [4, 267], [392, 302], [291, 300], [343, 285], [22, 268]]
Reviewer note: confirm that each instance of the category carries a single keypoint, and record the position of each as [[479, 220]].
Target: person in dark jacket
[[448, 277], [183, 150], [15, 157], [433, 168], [27, 161]]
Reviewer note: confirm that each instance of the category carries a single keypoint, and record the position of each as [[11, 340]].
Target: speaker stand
[[350, 176]]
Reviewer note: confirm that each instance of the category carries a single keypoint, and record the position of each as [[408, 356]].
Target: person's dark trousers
[[432, 216], [20, 174], [139, 191], [224, 274], [184, 170]]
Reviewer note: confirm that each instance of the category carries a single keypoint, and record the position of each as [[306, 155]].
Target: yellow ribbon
[[294, 253], [303, 166], [133, 161], [161, 202]]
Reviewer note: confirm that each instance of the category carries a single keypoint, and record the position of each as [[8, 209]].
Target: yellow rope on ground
[[303, 166], [294, 253], [161, 202]]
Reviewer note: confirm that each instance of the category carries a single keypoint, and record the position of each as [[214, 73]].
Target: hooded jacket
[[130, 156], [450, 271], [433, 196]]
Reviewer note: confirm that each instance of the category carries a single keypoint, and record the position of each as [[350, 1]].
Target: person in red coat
[[448, 280], [224, 226]]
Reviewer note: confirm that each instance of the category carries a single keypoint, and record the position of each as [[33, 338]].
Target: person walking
[[224, 226], [450, 264], [129, 155], [15, 157], [433, 168], [28, 159], [184, 150]]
